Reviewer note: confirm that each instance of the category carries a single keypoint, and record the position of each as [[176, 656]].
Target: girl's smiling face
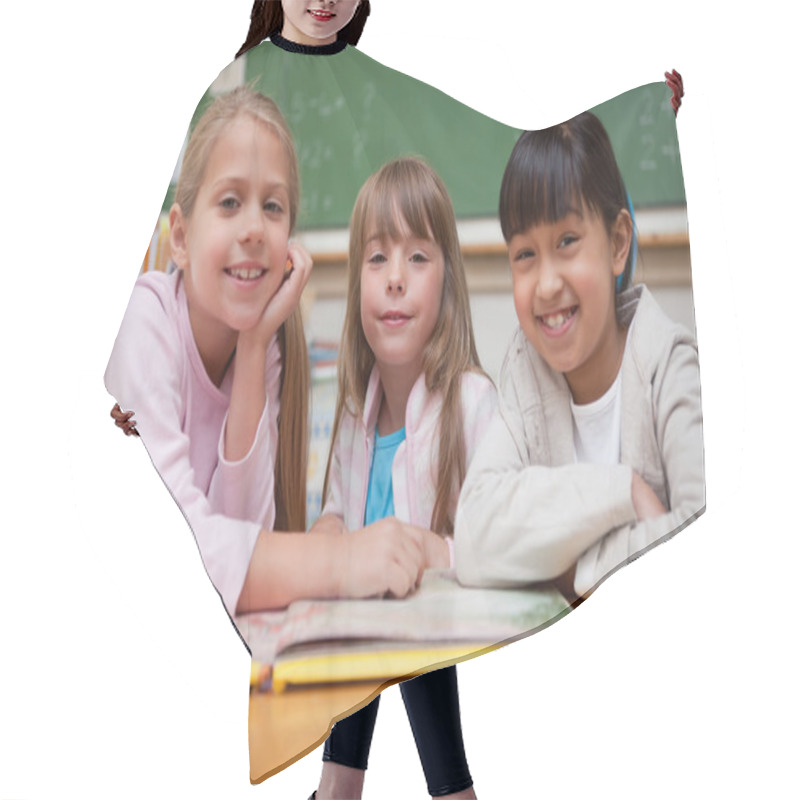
[[563, 275], [315, 22], [401, 294], [233, 247]]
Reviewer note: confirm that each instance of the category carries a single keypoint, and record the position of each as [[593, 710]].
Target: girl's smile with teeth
[[233, 246], [563, 274], [554, 321], [245, 273], [313, 23]]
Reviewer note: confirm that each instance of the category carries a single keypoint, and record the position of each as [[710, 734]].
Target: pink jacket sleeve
[[145, 374], [245, 489]]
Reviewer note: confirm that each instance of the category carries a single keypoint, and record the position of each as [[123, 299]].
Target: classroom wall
[[663, 264], [493, 319], [664, 268]]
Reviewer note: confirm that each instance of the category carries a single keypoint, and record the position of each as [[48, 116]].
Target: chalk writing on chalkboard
[[349, 115]]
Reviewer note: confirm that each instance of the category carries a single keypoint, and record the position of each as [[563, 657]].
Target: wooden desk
[[285, 726], [442, 623]]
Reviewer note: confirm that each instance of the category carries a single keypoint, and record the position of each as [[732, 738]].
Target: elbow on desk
[[503, 555]]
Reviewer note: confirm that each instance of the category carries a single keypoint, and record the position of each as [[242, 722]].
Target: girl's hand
[[437, 551], [645, 501], [285, 300], [675, 82], [328, 523], [385, 558], [124, 420], [248, 394]]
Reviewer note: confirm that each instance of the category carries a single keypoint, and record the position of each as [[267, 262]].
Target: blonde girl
[[212, 360], [598, 452], [321, 27], [412, 406]]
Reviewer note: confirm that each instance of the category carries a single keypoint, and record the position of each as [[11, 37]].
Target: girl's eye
[[376, 258], [567, 240], [229, 203], [523, 255], [273, 207], [419, 258]]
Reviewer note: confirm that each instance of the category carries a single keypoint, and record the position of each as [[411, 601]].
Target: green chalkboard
[[641, 126], [349, 115]]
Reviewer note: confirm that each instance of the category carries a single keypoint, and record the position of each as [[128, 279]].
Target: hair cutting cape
[[348, 115]]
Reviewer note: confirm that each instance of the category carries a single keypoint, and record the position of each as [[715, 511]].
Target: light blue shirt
[[380, 498]]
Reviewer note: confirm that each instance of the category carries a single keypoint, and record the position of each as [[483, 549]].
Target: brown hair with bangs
[[405, 197], [561, 170], [266, 19], [290, 464]]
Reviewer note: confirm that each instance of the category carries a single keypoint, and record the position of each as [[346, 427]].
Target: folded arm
[[679, 435], [519, 523]]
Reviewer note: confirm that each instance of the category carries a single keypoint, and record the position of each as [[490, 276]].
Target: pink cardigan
[[155, 370], [415, 463]]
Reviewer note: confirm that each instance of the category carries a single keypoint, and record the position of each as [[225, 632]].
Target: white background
[[119, 674]]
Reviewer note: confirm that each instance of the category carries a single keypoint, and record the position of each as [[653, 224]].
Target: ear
[[177, 237], [621, 238]]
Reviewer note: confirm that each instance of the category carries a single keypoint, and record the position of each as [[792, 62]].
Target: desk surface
[[285, 726], [440, 624]]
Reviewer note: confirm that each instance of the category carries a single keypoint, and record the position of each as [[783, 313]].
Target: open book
[[326, 641]]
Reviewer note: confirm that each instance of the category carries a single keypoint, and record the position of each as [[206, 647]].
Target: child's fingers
[[297, 278], [414, 534], [287, 297], [328, 523], [429, 543], [675, 84], [301, 260], [128, 428], [413, 550], [676, 89], [403, 554], [406, 556], [415, 560], [119, 415], [675, 76], [400, 581], [124, 420]]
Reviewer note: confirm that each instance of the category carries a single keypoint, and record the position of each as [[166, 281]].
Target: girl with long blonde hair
[[212, 359], [413, 403]]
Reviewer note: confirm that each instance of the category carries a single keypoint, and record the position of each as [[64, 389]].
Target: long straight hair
[[266, 19], [290, 464], [407, 197]]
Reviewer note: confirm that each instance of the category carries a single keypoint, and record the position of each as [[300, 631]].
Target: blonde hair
[[290, 464], [406, 196]]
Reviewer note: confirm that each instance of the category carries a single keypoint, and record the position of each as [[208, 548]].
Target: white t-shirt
[[596, 427]]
